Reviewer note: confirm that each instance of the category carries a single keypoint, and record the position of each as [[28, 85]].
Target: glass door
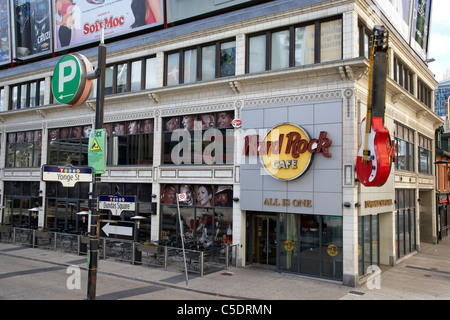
[[264, 240]]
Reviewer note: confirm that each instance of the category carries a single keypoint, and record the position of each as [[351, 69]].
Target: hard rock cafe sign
[[287, 150]]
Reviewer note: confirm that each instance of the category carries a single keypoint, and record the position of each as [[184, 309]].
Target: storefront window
[[405, 223], [206, 215], [20, 196], [200, 139], [311, 244], [368, 246], [23, 149], [70, 143]]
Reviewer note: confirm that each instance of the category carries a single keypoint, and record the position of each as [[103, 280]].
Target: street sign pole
[[96, 185], [182, 233]]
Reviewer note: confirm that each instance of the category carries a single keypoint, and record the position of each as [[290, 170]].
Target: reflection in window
[[190, 66], [304, 45], [280, 50], [257, 54], [208, 62], [331, 40], [227, 59]]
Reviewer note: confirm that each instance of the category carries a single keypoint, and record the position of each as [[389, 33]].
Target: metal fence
[[162, 256]]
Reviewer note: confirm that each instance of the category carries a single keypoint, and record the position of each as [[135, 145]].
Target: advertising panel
[[184, 9], [411, 18], [5, 44], [80, 22], [31, 27], [420, 25]]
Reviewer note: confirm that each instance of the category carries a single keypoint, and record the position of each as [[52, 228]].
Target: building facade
[[292, 71]]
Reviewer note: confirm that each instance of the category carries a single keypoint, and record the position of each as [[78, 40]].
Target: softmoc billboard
[[80, 22]]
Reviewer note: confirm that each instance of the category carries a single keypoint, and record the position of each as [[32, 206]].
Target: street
[[28, 279]]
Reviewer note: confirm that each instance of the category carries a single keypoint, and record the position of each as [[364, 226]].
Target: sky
[[439, 42]]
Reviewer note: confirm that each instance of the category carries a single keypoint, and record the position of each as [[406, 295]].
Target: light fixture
[[347, 204], [154, 195], [83, 215], [138, 220], [236, 199]]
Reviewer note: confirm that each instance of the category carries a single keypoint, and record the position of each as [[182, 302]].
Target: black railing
[[155, 255]]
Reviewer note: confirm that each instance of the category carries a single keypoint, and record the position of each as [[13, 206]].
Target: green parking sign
[[70, 83], [97, 151]]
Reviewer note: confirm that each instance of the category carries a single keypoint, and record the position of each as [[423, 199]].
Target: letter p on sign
[[70, 84]]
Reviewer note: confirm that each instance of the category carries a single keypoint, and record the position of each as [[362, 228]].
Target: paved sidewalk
[[425, 275]]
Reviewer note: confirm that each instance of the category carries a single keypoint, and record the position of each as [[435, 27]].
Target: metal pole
[[182, 240], [96, 185]]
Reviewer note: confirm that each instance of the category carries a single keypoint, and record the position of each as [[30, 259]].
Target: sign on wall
[[31, 27], [287, 150], [80, 22], [67, 175]]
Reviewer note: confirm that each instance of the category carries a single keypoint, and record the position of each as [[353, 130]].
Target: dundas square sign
[[287, 150]]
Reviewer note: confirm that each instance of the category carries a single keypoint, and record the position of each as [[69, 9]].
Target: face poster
[[81, 21]]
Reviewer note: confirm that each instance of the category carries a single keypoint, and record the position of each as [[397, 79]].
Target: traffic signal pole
[[93, 253]]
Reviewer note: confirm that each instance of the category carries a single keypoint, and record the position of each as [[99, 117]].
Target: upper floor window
[[424, 93], [425, 160], [2, 99], [294, 46], [27, 94], [134, 75], [364, 38], [203, 62], [23, 149], [403, 75], [404, 140]]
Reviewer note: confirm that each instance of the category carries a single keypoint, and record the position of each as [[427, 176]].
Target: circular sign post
[[70, 83]]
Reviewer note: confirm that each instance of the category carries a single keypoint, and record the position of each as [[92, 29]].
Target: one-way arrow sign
[[117, 229]]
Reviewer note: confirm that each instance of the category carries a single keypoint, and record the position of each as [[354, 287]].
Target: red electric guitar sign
[[376, 153]]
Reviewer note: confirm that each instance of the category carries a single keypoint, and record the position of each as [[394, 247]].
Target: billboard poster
[[420, 25], [32, 27], [79, 22], [5, 45], [183, 9]]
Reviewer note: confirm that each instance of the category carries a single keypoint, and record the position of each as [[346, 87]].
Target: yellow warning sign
[[95, 146]]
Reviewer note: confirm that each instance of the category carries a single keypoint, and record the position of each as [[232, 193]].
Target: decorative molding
[[154, 97], [42, 113], [317, 96], [397, 97], [226, 106], [236, 86]]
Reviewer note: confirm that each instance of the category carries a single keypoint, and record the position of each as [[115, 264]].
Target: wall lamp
[[154, 195], [236, 199], [347, 204]]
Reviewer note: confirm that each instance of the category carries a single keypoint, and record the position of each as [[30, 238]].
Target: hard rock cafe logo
[[287, 150]]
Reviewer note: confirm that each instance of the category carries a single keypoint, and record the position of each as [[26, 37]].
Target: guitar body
[[373, 170]]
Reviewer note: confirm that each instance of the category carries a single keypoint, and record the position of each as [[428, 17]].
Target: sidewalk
[[425, 275]]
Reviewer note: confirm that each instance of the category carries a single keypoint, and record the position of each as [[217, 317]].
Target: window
[[70, 143], [27, 95], [405, 222], [295, 46], [425, 162], [403, 75], [204, 62], [134, 75], [424, 93], [2, 99], [198, 139], [364, 36], [23, 149], [19, 197], [207, 215], [404, 140], [368, 243], [130, 142]]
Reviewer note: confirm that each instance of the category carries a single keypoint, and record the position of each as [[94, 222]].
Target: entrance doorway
[[263, 240]]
